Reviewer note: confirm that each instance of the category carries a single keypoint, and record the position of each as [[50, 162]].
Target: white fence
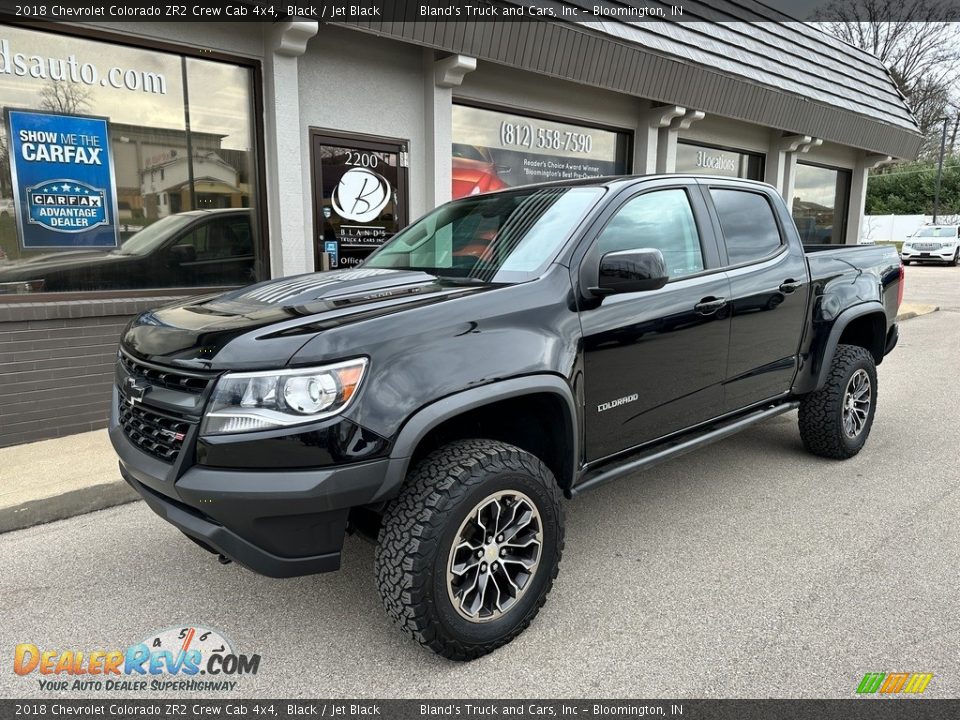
[[897, 228]]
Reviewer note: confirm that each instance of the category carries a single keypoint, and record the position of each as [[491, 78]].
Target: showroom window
[[494, 149], [711, 160], [821, 198], [103, 147]]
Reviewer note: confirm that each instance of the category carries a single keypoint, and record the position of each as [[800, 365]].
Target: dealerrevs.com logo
[[179, 659]]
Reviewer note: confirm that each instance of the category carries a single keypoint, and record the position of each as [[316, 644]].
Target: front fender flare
[[418, 425]]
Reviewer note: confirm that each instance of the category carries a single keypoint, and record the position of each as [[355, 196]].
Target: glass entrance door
[[359, 195]]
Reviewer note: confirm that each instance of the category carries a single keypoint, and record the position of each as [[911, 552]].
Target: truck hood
[[261, 326]]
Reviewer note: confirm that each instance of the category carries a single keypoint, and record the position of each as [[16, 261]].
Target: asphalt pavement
[[933, 285], [747, 569]]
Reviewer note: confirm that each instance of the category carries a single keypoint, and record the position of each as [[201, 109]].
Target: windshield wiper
[[460, 280]]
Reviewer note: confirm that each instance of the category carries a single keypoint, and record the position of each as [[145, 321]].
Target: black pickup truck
[[501, 353]]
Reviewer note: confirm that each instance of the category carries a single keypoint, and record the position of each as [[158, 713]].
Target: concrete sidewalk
[[55, 479], [912, 310]]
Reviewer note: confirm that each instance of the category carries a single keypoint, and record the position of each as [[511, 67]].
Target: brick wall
[[56, 365]]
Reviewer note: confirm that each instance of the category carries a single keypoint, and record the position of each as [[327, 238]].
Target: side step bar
[[681, 446]]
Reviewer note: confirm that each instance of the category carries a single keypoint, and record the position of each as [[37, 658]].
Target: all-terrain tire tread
[[820, 412], [412, 526]]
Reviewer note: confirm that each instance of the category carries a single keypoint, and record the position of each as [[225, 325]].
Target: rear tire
[[835, 420], [456, 546]]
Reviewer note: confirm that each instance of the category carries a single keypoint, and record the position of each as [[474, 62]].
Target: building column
[[781, 164], [667, 140], [858, 193], [652, 122], [289, 212], [440, 77], [656, 146]]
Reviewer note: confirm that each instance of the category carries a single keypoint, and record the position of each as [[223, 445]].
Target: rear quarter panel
[[847, 275], [841, 279]]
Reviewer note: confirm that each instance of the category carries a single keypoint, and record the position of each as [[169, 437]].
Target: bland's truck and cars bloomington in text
[[502, 352]]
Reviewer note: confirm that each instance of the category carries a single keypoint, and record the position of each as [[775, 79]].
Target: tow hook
[[223, 559]]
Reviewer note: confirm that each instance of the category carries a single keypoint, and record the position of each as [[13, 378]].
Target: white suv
[[932, 243]]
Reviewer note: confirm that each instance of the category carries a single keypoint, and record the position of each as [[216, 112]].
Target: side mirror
[[180, 254], [627, 271]]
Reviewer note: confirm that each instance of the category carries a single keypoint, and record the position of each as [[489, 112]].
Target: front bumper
[[279, 524], [928, 255]]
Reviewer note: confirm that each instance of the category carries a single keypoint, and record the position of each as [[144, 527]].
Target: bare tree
[[64, 97], [918, 44], [870, 227]]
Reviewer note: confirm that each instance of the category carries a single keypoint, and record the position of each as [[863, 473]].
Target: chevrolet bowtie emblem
[[134, 390]]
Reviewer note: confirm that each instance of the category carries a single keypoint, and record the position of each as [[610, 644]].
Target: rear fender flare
[[839, 325]]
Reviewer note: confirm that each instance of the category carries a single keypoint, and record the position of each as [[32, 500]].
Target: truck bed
[[846, 275]]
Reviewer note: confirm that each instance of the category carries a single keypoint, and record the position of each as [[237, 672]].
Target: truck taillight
[[900, 288]]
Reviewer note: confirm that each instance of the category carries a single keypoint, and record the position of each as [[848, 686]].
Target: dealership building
[[304, 146]]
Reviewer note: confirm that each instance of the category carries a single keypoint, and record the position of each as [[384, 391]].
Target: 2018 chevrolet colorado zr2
[[501, 353]]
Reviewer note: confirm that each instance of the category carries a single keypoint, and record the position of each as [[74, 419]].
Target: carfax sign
[[63, 180]]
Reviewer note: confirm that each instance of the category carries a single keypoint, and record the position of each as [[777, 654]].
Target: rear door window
[[749, 227]]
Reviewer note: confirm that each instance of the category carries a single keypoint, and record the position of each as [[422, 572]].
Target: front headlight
[[245, 402]]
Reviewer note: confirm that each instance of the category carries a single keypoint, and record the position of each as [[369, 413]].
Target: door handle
[[709, 305], [789, 285]]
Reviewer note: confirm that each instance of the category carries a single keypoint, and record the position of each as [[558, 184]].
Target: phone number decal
[[522, 134]]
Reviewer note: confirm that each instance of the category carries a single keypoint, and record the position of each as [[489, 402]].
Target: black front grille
[[158, 435], [165, 377]]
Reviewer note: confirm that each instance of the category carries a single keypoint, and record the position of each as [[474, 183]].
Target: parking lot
[[747, 569], [933, 284]]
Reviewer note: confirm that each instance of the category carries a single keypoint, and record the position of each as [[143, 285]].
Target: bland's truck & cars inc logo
[[170, 660]]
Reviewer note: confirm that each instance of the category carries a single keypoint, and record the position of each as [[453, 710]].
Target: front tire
[[469, 550], [835, 420]]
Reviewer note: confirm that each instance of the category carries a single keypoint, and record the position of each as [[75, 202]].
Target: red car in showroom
[[475, 172]]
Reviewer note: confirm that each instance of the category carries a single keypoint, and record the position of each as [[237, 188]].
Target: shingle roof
[[785, 75], [791, 56]]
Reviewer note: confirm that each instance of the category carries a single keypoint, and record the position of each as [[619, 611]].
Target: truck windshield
[[505, 237]]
